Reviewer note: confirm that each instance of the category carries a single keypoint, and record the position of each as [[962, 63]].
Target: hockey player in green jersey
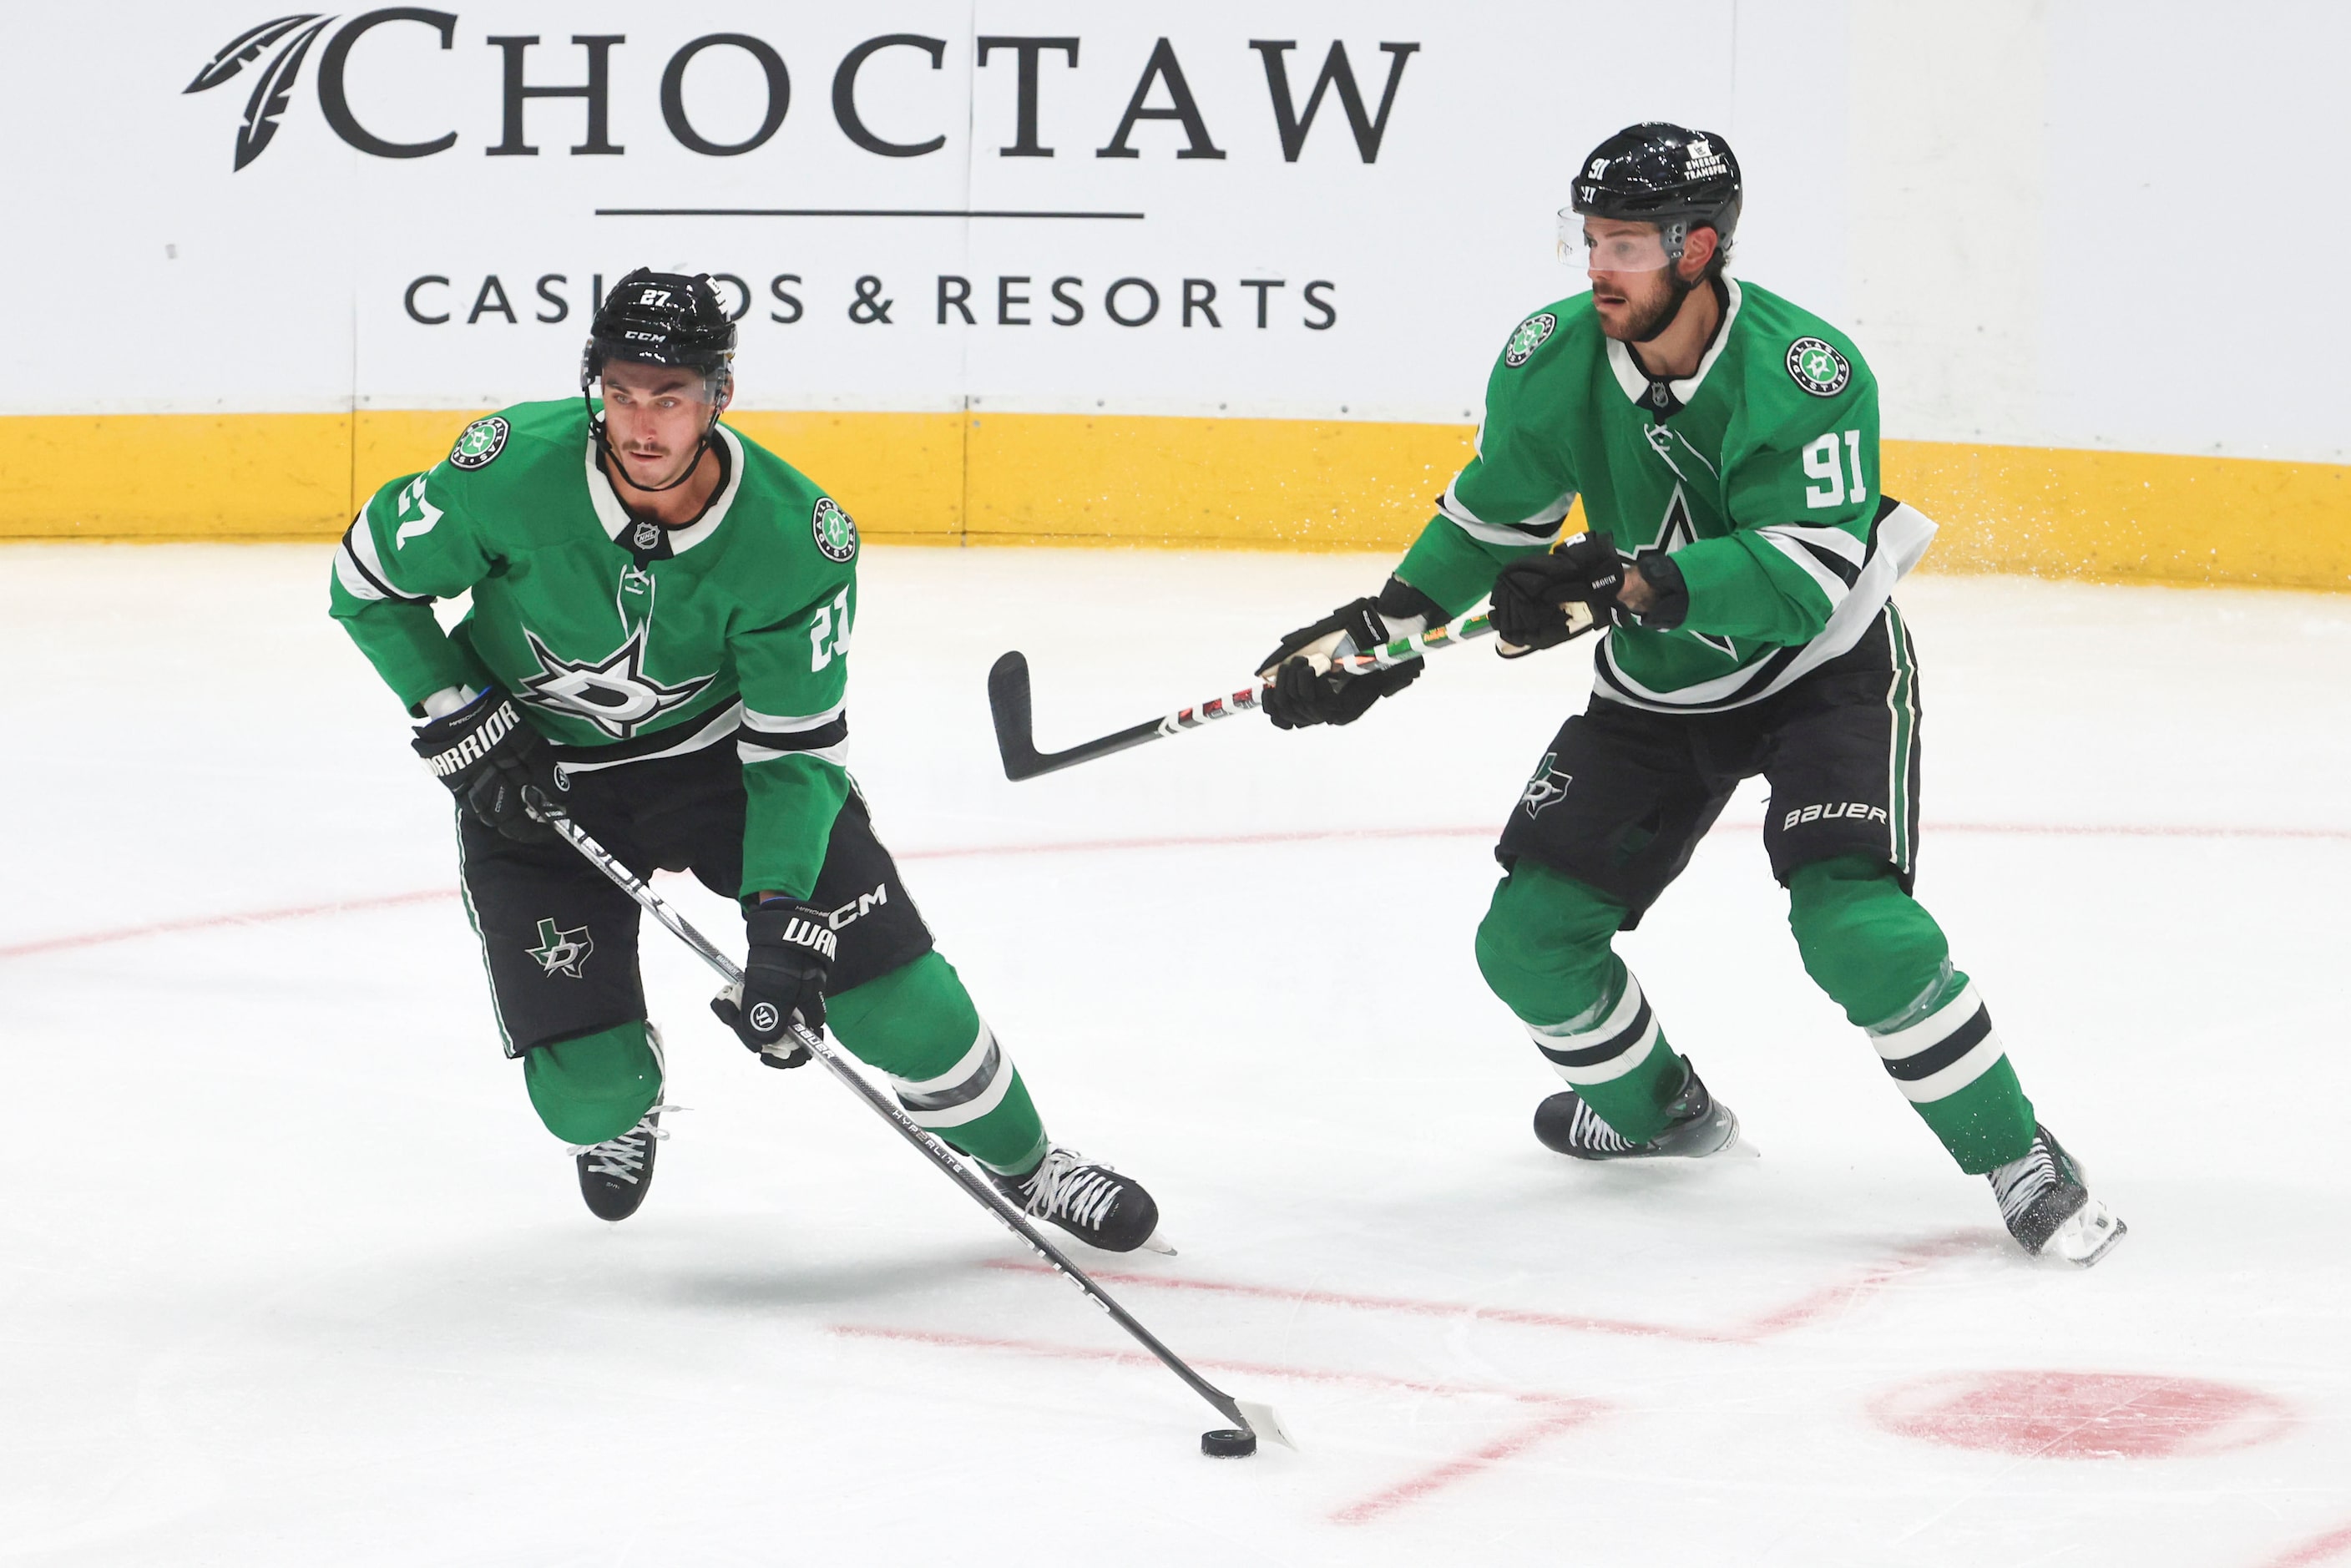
[[1742, 562], [659, 642]]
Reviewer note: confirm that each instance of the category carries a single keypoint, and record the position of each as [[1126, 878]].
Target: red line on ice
[[1821, 1304], [1180, 842], [1561, 1412], [1574, 1322], [1796, 1315], [214, 922], [1137, 1358], [2323, 1549], [1508, 1447]]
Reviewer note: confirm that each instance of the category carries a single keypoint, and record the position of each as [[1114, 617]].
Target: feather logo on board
[[291, 36]]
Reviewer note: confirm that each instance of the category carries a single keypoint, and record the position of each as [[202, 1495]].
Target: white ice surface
[[289, 1273]]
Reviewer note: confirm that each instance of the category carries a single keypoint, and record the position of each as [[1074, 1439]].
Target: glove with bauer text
[[1299, 697], [488, 755], [1544, 601], [790, 957]]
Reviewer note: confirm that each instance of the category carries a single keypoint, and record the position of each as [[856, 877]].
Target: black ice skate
[[1698, 1126], [2046, 1201], [615, 1175], [1091, 1202]]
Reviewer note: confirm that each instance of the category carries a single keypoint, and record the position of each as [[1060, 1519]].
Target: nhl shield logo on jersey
[[1546, 786], [836, 533], [561, 952], [479, 444], [1528, 339], [1818, 367]]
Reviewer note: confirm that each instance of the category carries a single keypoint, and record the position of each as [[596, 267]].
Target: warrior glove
[[1299, 695], [489, 755], [1545, 599], [790, 957]]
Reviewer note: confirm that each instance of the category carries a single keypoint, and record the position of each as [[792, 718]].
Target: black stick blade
[[1016, 740], [1007, 704]]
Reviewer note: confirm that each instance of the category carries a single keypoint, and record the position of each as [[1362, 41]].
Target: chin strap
[[1682, 292], [604, 443]]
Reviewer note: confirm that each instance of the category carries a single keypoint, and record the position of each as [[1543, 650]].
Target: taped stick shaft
[[1010, 704]]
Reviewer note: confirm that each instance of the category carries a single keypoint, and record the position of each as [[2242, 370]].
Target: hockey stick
[[1247, 1416], [1008, 699]]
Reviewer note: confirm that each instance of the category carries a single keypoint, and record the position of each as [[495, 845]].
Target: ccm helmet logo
[[1854, 809]]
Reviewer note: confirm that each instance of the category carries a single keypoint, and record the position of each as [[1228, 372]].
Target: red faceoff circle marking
[[2081, 1414]]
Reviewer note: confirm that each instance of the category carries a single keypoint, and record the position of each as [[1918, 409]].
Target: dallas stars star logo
[[1546, 786], [561, 952], [1675, 532], [614, 693]]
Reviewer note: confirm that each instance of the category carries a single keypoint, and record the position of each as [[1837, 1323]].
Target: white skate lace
[[1588, 1130], [625, 1156], [1063, 1187], [2020, 1182]]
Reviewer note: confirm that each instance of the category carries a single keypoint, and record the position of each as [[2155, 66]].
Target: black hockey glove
[[1532, 598], [790, 958], [487, 754], [1298, 698]]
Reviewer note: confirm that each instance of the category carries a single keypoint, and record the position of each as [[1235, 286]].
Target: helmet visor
[[1609, 245]]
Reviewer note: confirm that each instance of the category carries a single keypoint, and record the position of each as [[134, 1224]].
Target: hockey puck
[[1228, 1443]]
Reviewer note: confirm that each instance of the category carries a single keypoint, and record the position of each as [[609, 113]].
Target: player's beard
[[1648, 322]]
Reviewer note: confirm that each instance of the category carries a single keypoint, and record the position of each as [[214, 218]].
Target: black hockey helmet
[[1657, 172], [661, 319]]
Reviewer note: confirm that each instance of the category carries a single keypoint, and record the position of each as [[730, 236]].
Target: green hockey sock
[[1945, 1057], [918, 1025], [596, 1086], [1616, 1059], [1870, 946], [1544, 948], [1881, 956]]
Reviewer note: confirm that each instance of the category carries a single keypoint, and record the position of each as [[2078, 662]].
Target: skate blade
[[1265, 1422], [1737, 1147], [1157, 1242], [2088, 1235]]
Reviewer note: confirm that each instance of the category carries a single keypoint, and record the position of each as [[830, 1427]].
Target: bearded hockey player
[[659, 643], [1743, 560]]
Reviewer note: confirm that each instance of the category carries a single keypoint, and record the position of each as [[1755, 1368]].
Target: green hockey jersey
[[1758, 474], [621, 640]]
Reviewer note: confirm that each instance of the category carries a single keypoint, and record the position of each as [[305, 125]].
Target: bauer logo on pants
[[561, 952], [1835, 811]]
